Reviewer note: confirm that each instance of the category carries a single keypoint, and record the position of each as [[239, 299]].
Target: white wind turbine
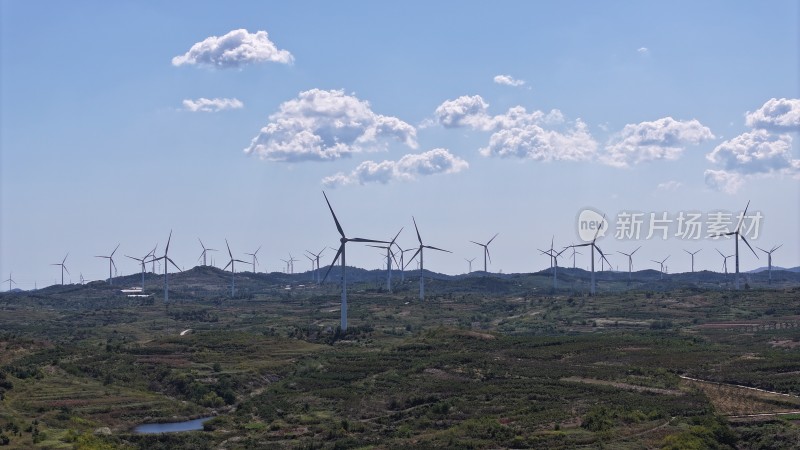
[[769, 259], [166, 260], [737, 234], [141, 262], [255, 258], [470, 263], [486, 251], [316, 259], [233, 268], [389, 256], [593, 246], [724, 261], [421, 260], [110, 259], [630, 262], [204, 252], [661, 264], [693, 253], [63, 268], [9, 281], [554, 261], [343, 240]]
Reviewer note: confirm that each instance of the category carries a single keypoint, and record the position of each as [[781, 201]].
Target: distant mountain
[[775, 268]]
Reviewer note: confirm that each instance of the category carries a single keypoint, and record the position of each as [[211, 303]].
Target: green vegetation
[[483, 363]]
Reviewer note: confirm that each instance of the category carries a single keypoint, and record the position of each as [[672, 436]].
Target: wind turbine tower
[[389, 256], [167, 260], [470, 263], [9, 281]]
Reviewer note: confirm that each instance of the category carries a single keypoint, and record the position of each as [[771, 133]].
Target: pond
[[172, 427]]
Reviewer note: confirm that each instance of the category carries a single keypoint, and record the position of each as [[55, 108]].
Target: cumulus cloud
[[322, 125], [519, 133], [407, 168], [233, 50], [776, 115], [671, 185], [664, 138], [508, 80], [752, 154], [212, 104], [643, 51]]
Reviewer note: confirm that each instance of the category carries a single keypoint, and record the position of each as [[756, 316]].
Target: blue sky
[[625, 106]]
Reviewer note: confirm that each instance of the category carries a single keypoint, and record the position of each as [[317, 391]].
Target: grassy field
[[484, 362]]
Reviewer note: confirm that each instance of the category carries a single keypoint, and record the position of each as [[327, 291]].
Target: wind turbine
[[233, 268], [630, 262], [166, 260], [486, 251], [316, 259], [693, 253], [312, 265], [421, 260], [9, 281], [769, 259], [738, 234], [470, 263], [255, 258], [661, 263], [341, 252], [291, 262], [203, 253], [63, 268], [724, 261], [402, 264], [287, 265], [141, 261], [554, 261], [389, 256], [594, 247], [574, 252], [110, 259]]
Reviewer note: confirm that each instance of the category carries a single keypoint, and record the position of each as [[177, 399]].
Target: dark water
[[189, 425]]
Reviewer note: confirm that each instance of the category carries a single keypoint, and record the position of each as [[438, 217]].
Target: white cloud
[[671, 185], [519, 133], [409, 167], [233, 50], [720, 180], [535, 143], [664, 138], [753, 154], [508, 80], [643, 51], [322, 125], [776, 115], [212, 104]]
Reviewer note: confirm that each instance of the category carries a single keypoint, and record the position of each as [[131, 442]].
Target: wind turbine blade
[[166, 249], [776, 248], [256, 252], [175, 265], [665, 259], [436, 248], [741, 219], [65, 259], [720, 253], [761, 249], [229, 248], [201, 243], [115, 250], [226, 265], [477, 243], [396, 235], [490, 240], [637, 249], [113, 263], [488, 255], [338, 225], [687, 251], [412, 257], [419, 238], [65, 268], [335, 258], [599, 228], [748, 245], [320, 252], [366, 240]]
